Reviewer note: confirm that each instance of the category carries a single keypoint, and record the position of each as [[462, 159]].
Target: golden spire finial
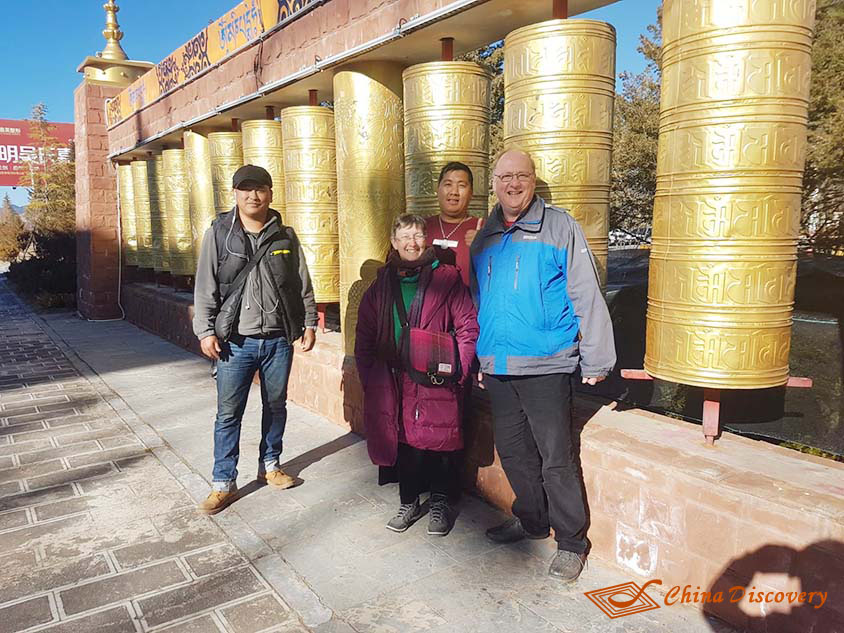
[[112, 33]]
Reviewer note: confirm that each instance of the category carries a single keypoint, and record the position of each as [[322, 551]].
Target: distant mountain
[[18, 210]]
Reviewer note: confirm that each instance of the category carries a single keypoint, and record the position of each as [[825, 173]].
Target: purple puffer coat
[[431, 416]]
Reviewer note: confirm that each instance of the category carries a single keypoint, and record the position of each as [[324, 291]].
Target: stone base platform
[[744, 518]]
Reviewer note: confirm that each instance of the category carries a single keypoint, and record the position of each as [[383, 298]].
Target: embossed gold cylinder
[[735, 89], [202, 211], [559, 88], [446, 118], [157, 213], [262, 146], [128, 219], [177, 221], [311, 193], [368, 118], [140, 190], [226, 149]]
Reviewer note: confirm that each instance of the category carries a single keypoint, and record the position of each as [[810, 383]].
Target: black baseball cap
[[252, 173]]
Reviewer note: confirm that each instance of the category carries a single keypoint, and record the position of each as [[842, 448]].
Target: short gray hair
[[408, 219]]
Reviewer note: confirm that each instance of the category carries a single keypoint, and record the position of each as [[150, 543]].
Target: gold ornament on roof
[[112, 33]]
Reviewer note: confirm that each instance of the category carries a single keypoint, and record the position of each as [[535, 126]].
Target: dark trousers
[[421, 471], [532, 425]]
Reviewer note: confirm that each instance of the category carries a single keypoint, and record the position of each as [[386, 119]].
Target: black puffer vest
[[283, 265]]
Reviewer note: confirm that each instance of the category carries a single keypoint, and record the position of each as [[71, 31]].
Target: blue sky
[[45, 41]]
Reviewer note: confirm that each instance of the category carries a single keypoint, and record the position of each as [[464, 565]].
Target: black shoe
[[408, 513], [566, 566], [439, 516], [512, 531]]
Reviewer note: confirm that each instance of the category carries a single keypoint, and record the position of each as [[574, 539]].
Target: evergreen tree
[[12, 231]]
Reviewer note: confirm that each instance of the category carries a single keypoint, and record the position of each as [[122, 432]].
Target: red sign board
[[17, 149]]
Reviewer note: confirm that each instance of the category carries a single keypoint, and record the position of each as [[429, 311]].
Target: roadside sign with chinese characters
[[18, 151]]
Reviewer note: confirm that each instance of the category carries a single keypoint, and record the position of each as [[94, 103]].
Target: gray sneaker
[[439, 517], [408, 513], [567, 566]]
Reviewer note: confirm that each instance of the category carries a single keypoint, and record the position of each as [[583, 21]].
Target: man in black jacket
[[253, 297]]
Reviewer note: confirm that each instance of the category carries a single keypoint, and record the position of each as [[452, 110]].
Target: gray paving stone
[[57, 509], [10, 488], [179, 533], [24, 615], [44, 495], [120, 587], [115, 620], [31, 470], [53, 452], [16, 518], [6, 461], [214, 560], [205, 593], [49, 433], [38, 578], [294, 590], [114, 454], [22, 448], [202, 624], [119, 440], [257, 614], [70, 476], [29, 418], [19, 430], [36, 534], [84, 434], [18, 408]]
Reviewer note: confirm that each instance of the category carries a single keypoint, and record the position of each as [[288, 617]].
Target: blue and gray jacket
[[540, 306]]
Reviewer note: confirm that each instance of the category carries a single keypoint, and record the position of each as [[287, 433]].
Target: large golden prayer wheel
[[446, 118], [226, 150], [559, 88], [732, 139], [311, 193], [262, 146], [202, 211], [370, 176], [157, 213], [140, 188], [128, 219], [177, 221]]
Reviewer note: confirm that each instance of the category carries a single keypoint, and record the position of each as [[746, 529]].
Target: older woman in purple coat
[[414, 427]]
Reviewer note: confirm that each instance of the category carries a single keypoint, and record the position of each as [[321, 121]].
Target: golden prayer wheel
[[370, 176], [732, 140], [128, 219], [177, 221], [262, 146], [157, 214], [311, 193], [559, 89], [202, 212], [140, 188], [446, 118], [226, 150]]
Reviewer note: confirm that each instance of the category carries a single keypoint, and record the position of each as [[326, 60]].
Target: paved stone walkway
[[105, 446], [97, 533]]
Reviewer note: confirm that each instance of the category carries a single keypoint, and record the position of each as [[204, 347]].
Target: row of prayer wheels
[[730, 160]]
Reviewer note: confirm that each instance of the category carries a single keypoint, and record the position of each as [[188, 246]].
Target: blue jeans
[[242, 356]]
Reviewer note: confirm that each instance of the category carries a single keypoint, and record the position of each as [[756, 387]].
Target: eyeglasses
[[521, 177], [404, 239]]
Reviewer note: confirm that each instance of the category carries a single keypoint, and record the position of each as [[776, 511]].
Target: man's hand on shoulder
[[211, 347], [308, 339]]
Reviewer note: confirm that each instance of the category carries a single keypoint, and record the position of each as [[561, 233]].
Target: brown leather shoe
[[217, 501], [277, 479]]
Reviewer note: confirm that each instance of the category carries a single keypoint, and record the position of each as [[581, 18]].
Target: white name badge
[[445, 243], [444, 367]]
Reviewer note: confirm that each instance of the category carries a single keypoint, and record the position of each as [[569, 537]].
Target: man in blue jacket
[[541, 313]]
